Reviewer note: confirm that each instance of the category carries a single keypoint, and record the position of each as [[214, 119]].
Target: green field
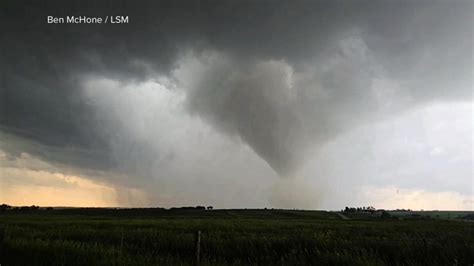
[[435, 214], [228, 237]]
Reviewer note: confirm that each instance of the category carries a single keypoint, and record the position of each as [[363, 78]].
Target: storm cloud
[[183, 89]]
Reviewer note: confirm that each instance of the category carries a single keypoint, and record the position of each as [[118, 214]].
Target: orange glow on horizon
[[25, 187]]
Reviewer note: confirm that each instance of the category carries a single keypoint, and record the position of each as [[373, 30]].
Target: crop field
[[434, 214], [228, 237]]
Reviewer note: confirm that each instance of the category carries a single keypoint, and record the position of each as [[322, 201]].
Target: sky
[[238, 104]]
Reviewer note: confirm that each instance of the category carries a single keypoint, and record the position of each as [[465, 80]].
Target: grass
[[229, 237], [433, 214]]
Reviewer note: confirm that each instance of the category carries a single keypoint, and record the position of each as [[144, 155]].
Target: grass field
[[434, 214], [228, 237]]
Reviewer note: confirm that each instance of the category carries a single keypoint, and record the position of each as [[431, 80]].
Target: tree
[[5, 207], [385, 215]]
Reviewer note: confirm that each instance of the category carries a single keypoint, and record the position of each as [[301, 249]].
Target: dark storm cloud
[[426, 46]]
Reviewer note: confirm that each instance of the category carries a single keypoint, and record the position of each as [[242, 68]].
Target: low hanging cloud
[[281, 113], [168, 153]]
